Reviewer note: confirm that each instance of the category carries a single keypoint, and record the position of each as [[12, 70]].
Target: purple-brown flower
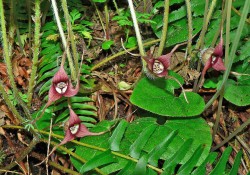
[[76, 129], [212, 58], [61, 86], [159, 66]]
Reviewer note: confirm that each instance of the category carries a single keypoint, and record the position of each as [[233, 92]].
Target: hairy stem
[[232, 52], [71, 34], [64, 41], [107, 20], [8, 62], [36, 48], [190, 28], [164, 29], [29, 24], [10, 104], [11, 27], [99, 16]]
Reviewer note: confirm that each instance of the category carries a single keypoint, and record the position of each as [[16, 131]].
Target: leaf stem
[[164, 29], [64, 41], [218, 114], [232, 53], [190, 28], [196, 83], [36, 48], [71, 34], [138, 35], [200, 43]]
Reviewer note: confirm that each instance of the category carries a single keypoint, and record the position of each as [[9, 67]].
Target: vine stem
[[104, 61], [164, 29], [85, 145], [64, 41], [232, 53], [190, 28], [8, 62], [36, 48], [137, 32], [71, 34]]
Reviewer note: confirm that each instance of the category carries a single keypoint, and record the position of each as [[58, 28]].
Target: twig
[[104, 61], [239, 129], [133, 54], [23, 154]]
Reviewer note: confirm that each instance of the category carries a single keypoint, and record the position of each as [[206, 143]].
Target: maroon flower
[[159, 67], [61, 86], [76, 129], [212, 58]]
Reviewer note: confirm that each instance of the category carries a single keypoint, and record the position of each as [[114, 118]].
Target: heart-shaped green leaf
[[157, 97]]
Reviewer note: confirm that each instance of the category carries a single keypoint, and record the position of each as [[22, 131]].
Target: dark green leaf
[[237, 93], [171, 162], [140, 167], [101, 159], [157, 152], [208, 161], [236, 164], [157, 97], [190, 164], [137, 146], [128, 170], [221, 165], [117, 135]]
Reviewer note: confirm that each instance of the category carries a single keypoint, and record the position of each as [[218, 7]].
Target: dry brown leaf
[[8, 113]]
